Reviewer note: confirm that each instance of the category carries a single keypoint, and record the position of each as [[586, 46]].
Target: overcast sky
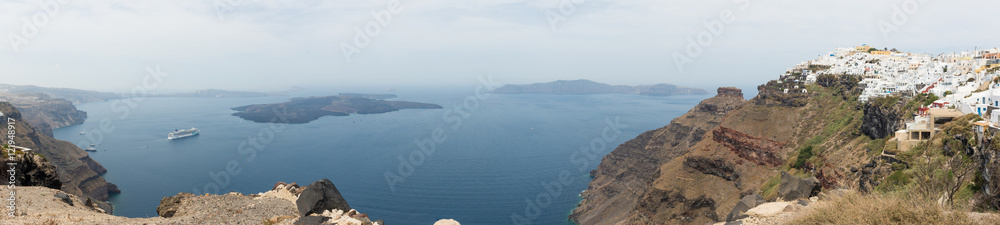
[[248, 44]]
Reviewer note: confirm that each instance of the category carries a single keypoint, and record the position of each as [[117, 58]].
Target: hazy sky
[[248, 44]]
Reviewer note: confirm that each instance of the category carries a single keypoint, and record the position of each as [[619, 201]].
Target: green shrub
[[804, 154], [898, 166], [896, 180]]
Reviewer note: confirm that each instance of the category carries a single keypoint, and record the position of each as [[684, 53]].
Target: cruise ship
[[182, 133]]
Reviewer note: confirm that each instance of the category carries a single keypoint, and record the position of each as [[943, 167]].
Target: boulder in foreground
[[744, 205], [320, 196]]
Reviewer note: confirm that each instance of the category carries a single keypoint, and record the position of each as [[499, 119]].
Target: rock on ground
[[748, 202], [792, 188]]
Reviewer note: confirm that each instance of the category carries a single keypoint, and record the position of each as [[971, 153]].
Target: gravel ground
[[38, 205], [788, 215]]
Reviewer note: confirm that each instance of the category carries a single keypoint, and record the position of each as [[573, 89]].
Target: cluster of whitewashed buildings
[[965, 82]]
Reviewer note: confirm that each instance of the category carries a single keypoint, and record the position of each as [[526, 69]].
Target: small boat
[[177, 134], [91, 149], [82, 133]]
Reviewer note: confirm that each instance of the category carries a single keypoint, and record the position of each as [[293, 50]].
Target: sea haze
[[486, 171]]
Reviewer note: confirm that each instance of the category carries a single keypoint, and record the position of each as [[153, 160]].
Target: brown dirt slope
[[695, 169]]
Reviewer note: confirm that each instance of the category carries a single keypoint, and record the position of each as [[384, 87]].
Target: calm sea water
[[513, 156]]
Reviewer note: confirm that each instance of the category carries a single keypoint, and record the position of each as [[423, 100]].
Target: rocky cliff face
[[44, 112], [759, 150], [79, 174], [622, 180], [882, 118], [987, 159], [991, 177], [773, 94], [696, 169], [32, 170]]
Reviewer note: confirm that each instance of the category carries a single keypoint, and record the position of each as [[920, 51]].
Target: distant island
[[371, 96], [307, 109], [591, 87]]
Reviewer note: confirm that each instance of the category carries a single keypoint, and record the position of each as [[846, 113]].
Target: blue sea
[[495, 159]]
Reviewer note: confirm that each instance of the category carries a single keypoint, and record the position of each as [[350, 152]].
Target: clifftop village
[[964, 82]]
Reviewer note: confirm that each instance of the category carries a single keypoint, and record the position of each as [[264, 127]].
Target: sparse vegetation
[[935, 182], [892, 147], [919, 100], [815, 140], [770, 188], [876, 145], [930, 172], [881, 209], [895, 180], [937, 169], [818, 67], [885, 102]]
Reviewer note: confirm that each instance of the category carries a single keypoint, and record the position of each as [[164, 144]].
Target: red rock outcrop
[[759, 150]]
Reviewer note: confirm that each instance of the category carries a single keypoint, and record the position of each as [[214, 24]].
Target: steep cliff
[[698, 167], [882, 118], [987, 158], [31, 169], [624, 175], [79, 174], [44, 112]]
